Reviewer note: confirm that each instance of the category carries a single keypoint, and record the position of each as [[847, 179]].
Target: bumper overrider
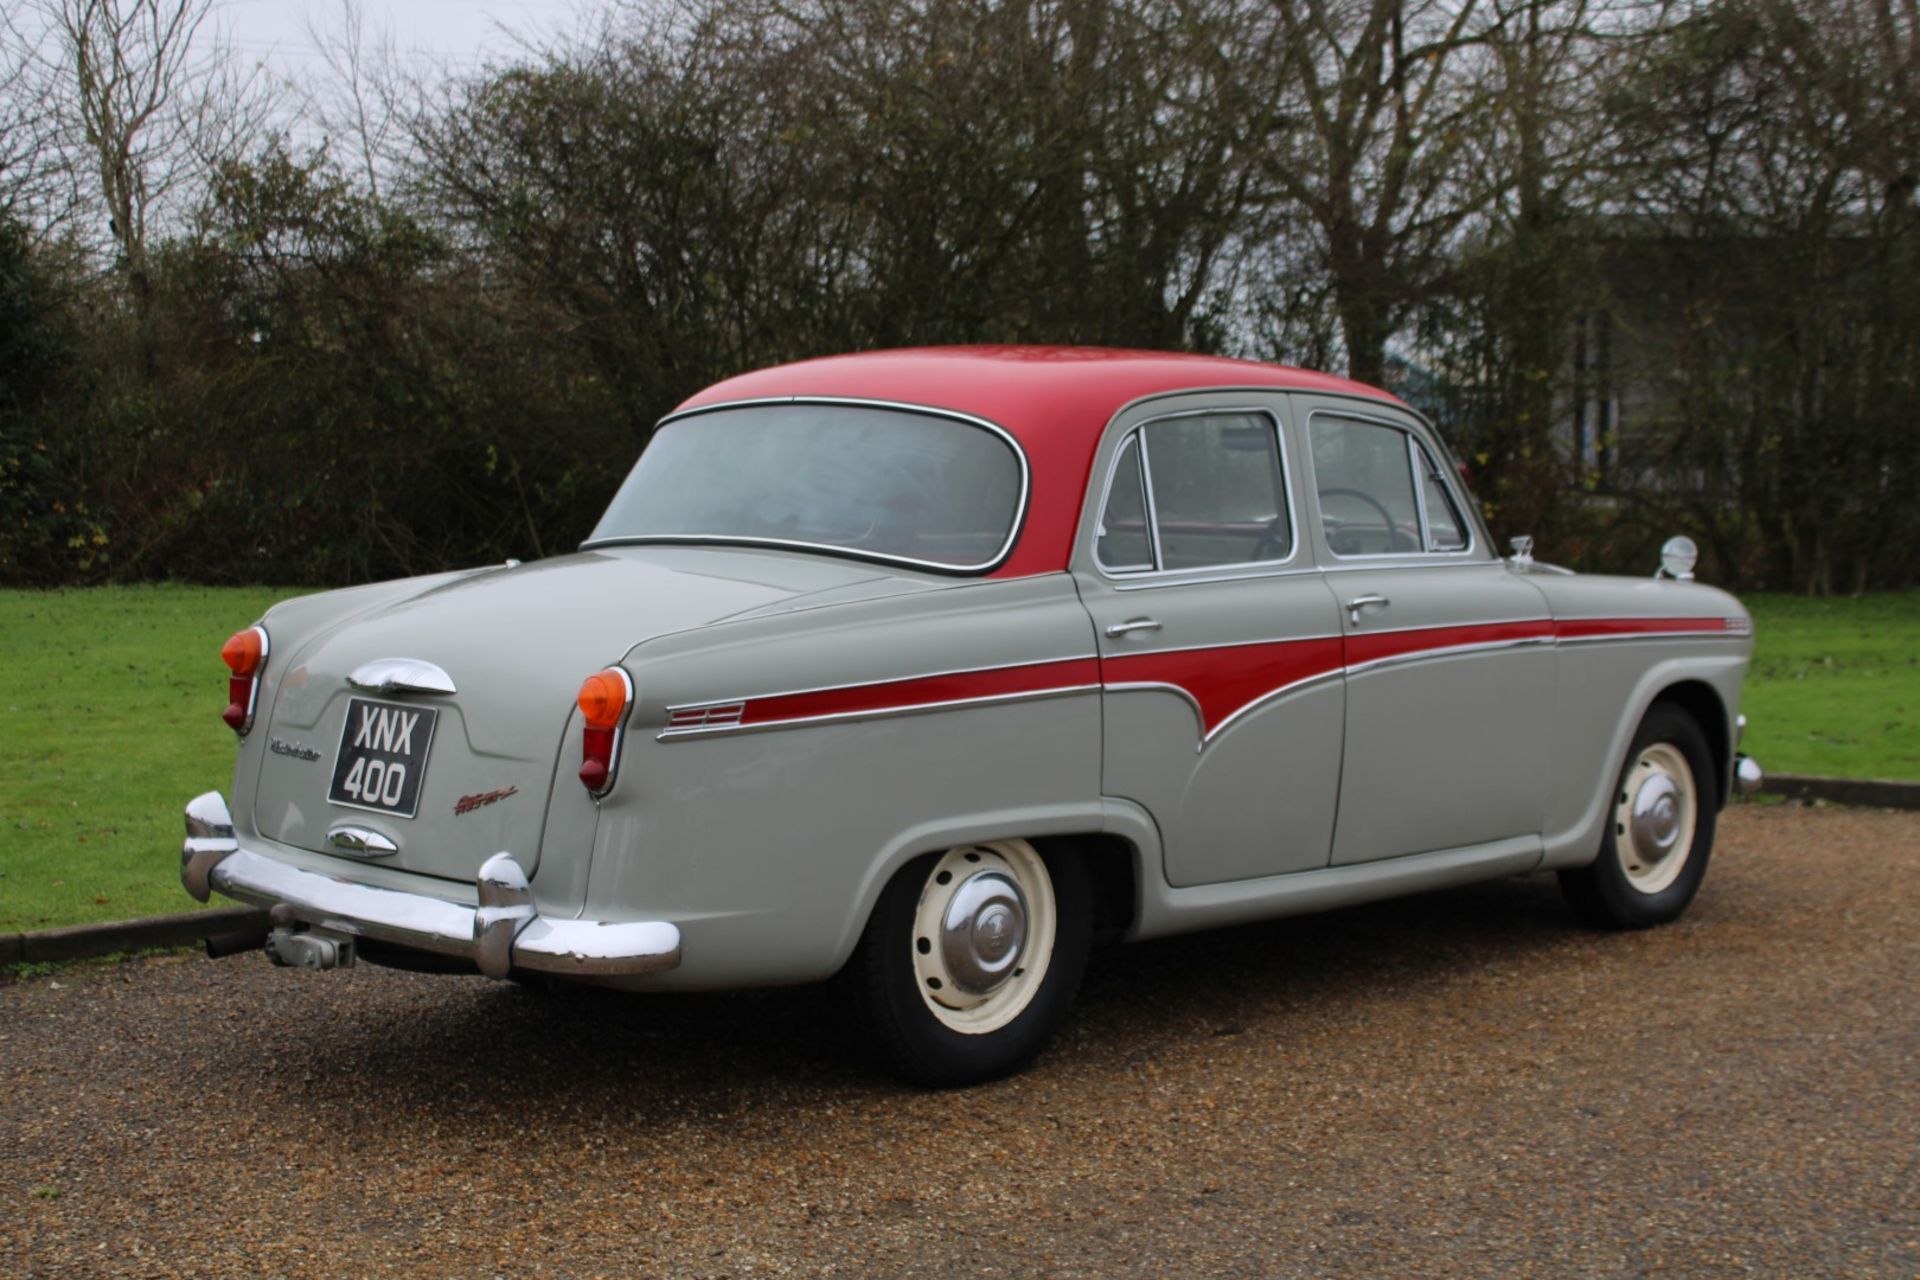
[[502, 933]]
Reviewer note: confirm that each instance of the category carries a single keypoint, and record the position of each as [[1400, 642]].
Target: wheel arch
[[1113, 868], [1701, 701], [1114, 862]]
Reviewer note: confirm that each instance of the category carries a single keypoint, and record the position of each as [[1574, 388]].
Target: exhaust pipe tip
[[223, 945]]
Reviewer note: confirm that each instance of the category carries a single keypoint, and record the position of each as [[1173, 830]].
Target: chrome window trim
[[1465, 554], [1421, 458], [1014, 528], [1106, 496], [1419, 494], [1156, 576], [1154, 584], [1153, 502]]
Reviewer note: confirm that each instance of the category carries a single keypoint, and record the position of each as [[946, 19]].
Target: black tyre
[[1659, 829], [971, 959]]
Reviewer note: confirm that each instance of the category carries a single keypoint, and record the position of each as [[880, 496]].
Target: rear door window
[[1202, 491]]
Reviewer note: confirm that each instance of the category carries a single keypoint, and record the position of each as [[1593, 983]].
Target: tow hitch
[[295, 946]]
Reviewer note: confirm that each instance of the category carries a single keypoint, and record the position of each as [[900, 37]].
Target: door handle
[[1355, 605], [1132, 625]]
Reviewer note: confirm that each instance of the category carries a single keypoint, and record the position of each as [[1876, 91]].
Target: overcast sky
[[458, 33]]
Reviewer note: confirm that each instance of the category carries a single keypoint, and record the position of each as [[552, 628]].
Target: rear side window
[[1125, 543], [1380, 491], [1197, 492]]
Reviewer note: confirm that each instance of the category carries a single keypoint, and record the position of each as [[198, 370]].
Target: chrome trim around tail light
[[618, 732], [253, 684]]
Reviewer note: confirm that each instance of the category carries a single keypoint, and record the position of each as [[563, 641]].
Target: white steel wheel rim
[[983, 935], [1654, 818]]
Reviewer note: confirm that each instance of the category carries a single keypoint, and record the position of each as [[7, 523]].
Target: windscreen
[[886, 483]]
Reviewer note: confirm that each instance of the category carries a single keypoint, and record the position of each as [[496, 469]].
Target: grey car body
[[1299, 721]]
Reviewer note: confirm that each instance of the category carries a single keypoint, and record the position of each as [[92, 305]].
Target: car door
[[1448, 653], [1219, 644]]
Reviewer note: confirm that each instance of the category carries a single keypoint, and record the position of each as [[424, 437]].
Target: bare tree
[[1370, 137], [361, 103], [153, 101], [37, 188]]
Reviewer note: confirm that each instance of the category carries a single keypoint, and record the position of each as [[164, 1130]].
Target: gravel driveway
[[1461, 1084]]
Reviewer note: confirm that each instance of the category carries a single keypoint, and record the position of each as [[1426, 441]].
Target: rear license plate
[[383, 757]]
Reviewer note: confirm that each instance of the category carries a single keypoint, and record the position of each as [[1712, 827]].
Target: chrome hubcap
[[1656, 814], [1654, 818], [983, 931], [983, 934]]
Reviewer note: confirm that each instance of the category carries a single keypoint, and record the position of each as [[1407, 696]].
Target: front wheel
[[1659, 829], [971, 958]]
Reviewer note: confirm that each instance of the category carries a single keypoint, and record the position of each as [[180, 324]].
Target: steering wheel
[[1274, 540], [1394, 535]]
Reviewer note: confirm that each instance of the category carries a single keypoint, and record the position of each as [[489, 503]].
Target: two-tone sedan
[[928, 668]]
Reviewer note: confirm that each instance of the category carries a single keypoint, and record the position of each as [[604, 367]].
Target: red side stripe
[[1580, 628], [892, 695], [1372, 647], [1225, 679], [1221, 680]]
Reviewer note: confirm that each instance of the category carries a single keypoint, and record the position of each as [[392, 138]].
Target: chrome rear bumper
[[504, 932]]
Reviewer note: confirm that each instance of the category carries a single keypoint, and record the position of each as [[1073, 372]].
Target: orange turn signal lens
[[242, 652], [603, 698]]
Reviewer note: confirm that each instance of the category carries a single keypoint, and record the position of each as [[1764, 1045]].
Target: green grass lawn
[[1835, 686], [110, 704], [110, 720]]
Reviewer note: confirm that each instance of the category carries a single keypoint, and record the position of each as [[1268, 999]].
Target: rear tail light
[[604, 698], [245, 654]]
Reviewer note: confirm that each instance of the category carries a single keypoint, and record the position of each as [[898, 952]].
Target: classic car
[[927, 669]]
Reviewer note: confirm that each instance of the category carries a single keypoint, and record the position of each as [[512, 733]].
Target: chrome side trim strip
[[709, 725], [1449, 651], [1161, 686], [1272, 695], [863, 684], [1450, 626], [1200, 717], [1644, 636], [1014, 528], [874, 713]]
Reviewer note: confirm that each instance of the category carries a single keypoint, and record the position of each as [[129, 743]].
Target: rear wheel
[[1659, 829], [971, 958]]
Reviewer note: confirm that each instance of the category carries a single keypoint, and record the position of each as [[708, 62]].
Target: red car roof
[[1054, 400]]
